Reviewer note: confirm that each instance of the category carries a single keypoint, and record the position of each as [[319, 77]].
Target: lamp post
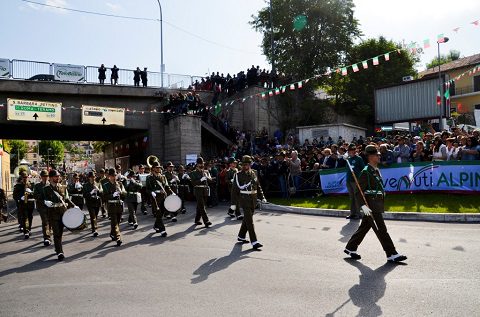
[[440, 122], [48, 157], [162, 66]]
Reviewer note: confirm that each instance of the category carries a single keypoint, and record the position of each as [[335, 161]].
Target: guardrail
[[465, 90], [44, 71]]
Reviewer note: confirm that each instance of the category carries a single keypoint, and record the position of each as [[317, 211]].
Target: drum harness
[[245, 189]]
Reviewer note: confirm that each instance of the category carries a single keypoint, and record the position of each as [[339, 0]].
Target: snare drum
[[173, 203], [74, 220]]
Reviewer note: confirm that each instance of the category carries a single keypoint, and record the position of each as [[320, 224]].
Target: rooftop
[[459, 63]]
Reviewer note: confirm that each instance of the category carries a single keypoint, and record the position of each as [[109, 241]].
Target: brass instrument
[[151, 159]]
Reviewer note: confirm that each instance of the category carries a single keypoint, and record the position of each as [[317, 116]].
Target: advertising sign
[[32, 110], [4, 68], [103, 115], [73, 73]]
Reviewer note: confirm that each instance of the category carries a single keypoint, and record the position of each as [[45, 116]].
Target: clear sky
[[38, 33]]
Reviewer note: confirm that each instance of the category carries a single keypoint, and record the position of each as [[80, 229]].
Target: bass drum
[[173, 203], [74, 220]]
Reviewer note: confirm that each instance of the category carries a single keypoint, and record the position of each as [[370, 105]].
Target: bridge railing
[[25, 69]]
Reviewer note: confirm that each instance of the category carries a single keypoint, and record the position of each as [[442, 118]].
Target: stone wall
[[182, 136]]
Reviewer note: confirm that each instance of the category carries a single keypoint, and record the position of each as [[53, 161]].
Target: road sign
[[387, 128], [103, 115], [34, 110]]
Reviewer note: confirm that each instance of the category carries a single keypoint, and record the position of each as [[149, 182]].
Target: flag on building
[[355, 68], [1, 149], [375, 61], [426, 43], [447, 96], [439, 98], [344, 71]]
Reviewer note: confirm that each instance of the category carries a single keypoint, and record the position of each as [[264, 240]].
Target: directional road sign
[[34, 110], [103, 115]]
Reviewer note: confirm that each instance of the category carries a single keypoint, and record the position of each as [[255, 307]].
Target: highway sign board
[[34, 110], [103, 115]]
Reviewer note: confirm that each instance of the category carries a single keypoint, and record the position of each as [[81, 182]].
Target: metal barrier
[[24, 69], [309, 182]]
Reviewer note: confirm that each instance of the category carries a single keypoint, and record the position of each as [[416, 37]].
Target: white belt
[[31, 199], [248, 192], [132, 193], [57, 205], [115, 201], [77, 195], [158, 191]]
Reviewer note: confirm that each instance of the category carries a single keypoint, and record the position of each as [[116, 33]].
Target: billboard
[[407, 102], [73, 73]]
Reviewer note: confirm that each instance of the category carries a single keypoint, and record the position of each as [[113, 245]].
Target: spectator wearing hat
[[143, 76], [133, 198], [57, 202], [92, 192], [75, 191], [114, 192], [357, 164], [199, 178], [246, 188], [370, 182], [452, 150], [41, 208]]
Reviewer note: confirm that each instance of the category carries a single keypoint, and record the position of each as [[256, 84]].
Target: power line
[[141, 19]]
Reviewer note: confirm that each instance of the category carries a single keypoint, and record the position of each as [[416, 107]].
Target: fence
[[44, 71], [308, 184]]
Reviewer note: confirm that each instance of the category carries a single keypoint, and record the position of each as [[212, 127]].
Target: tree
[[453, 55], [355, 93], [17, 150], [55, 154], [99, 146]]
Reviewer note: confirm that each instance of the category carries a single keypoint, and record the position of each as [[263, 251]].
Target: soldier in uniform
[[199, 178], [183, 186], [246, 188], [102, 179], [371, 184], [234, 209], [92, 192], [75, 191], [57, 202], [114, 192], [23, 196], [143, 190], [173, 181], [41, 208], [357, 165], [158, 188], [133, 187]]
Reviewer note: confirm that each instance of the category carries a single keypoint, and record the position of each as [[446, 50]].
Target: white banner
[[103, 115], [455, 176], [73, 73], [4, 68]]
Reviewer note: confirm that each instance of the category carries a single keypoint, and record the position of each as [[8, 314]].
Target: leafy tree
[[17, 150], [99, 146], [453, 55], [56, 153]]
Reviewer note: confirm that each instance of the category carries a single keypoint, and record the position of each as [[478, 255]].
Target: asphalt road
[[301, 270]]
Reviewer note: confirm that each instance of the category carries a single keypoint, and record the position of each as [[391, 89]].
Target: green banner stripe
[[34, 109]]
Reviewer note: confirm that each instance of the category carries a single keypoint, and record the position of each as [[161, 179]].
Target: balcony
[[459, 91]]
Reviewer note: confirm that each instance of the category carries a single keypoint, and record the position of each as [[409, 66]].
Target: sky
[[33, 32]]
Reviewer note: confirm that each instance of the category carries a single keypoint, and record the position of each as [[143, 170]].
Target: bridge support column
[[182, 136]]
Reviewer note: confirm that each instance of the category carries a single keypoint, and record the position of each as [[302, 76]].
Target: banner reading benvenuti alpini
[[4, 68], [73, 73], [453, 176]]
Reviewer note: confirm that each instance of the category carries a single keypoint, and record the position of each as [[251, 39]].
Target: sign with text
[[191, 159], [103, 115], [33, 110], [73, 73], [454, 176], [4, 68]]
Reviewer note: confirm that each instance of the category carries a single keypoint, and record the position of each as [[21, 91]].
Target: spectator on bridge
[[102, 74], [143, 76], [136, 77], [114, 75]]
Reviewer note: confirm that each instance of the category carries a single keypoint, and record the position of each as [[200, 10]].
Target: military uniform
[[370, 181], [23, 196], [113, 194], [134, 197], [183, 188], [357, 165], [158, 188], [143, 191], [102, 180], [42, 209], [245, 189], [75, 191], [173, 181], [199, 180], [234, 210], [57, 202], [92, 192]]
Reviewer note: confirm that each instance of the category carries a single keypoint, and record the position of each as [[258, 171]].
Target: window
[[476, 83]]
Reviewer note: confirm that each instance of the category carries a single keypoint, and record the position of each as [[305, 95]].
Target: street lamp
[[440, 122], [48, 157], [162, 66]]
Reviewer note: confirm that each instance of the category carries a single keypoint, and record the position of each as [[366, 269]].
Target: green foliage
[[17, 150], [56, 153], [99, 146], [453, 55]]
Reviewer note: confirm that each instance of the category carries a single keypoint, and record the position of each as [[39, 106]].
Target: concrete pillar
[[183, 135]]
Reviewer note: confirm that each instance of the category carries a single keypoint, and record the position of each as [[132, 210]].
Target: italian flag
[[375, 61], [263, 95], [355, 68], [365, 64], [300, 85], [292, 87], [440, 38], [283, 89], [277, 91], [439, 98], [344, 71], [447, 96], [270, 93], [387, 56], [426, 43], [1, 149]]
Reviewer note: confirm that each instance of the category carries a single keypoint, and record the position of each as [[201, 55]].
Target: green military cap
[[170, 164], [112, 172], [43, 173], [200, 160], [247, 159], [231, 160], [155, 164], [53, 173], [371, 150]]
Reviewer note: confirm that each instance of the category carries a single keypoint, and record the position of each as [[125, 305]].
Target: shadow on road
[[370, 289], [348, 229]]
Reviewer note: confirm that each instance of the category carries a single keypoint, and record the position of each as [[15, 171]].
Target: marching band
[[60, 204]]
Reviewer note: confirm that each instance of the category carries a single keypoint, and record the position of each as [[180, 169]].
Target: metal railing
[[466, 90], [34, 70]]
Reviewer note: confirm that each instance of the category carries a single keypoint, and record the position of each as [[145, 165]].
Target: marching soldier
[[199, 179], [234, 209], [114, 192], [57, 202], [158, 188], [371, 184], [41, 208], [246, 188], [23, 196], [183, 187], [143, 190], [102, 179], [357, 164], [173, 181], [133, 187], [92, 192], [75, 191]]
